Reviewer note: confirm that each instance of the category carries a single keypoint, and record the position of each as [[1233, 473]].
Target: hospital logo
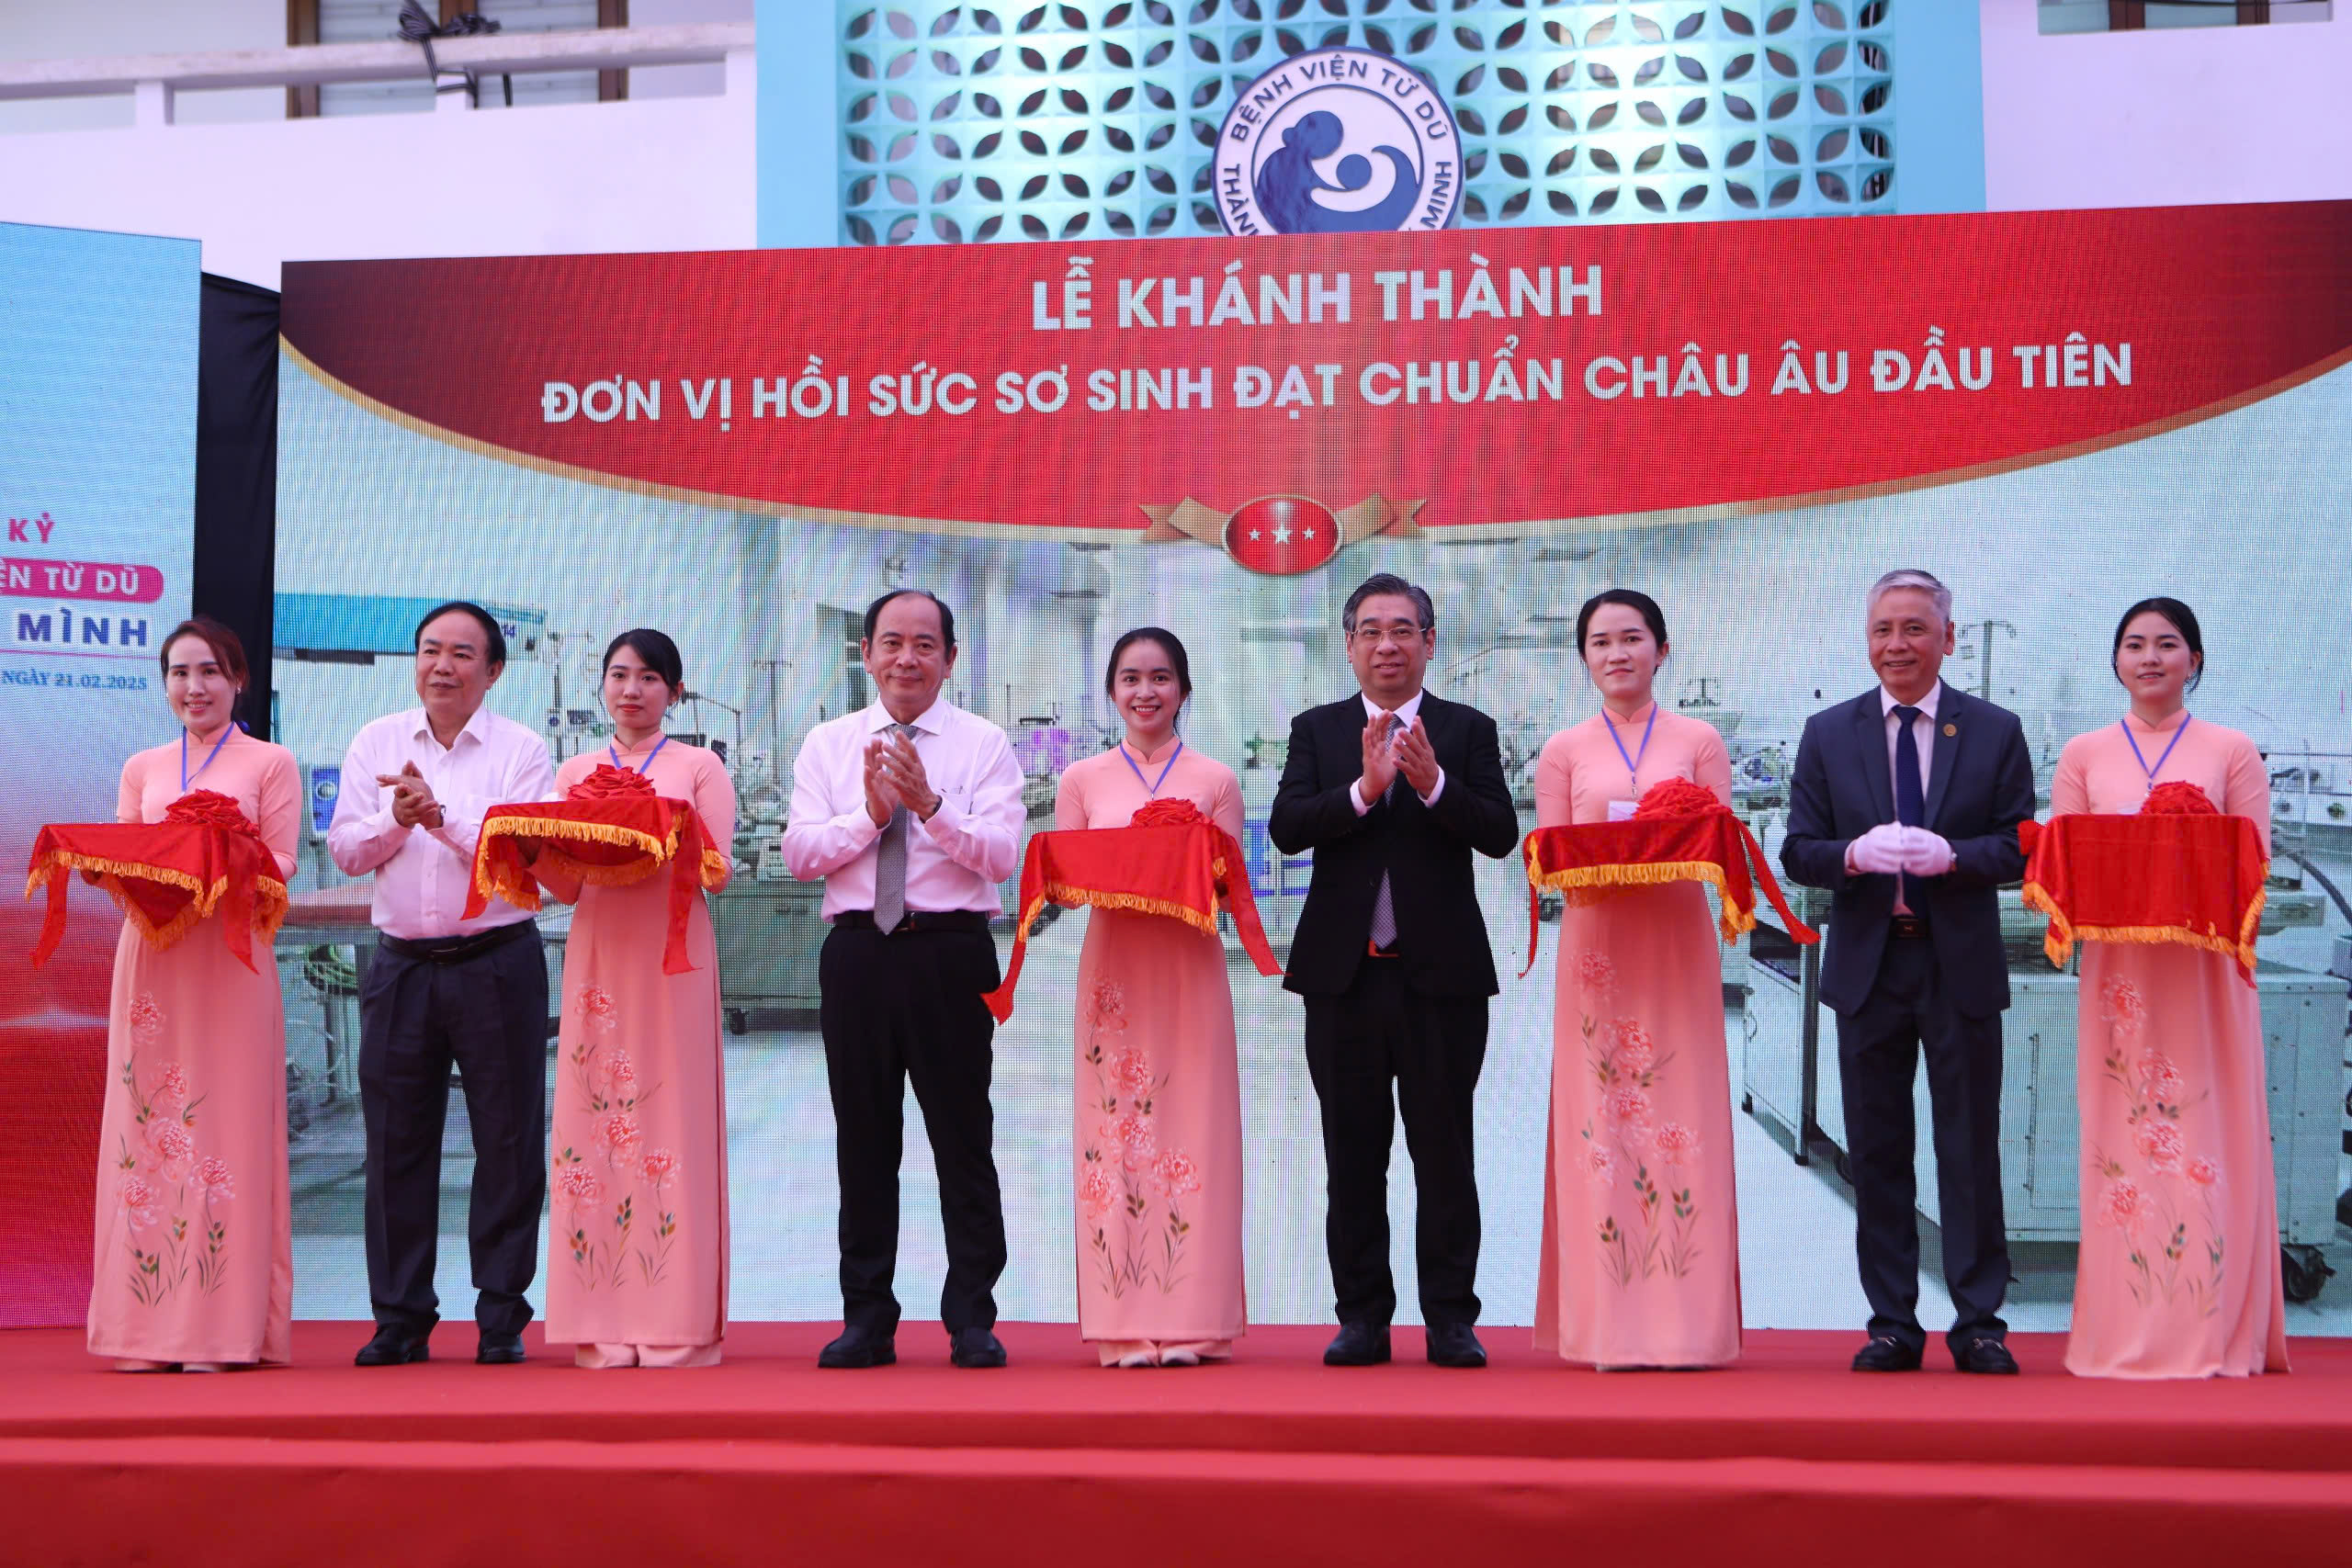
[[1280, 536], [1337, 141]]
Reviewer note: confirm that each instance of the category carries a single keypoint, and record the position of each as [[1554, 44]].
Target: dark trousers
[[895, 1009], [1377, 1033], [1878, 1056], [487, 1016]]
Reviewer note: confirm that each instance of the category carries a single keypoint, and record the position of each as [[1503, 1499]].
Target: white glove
[[1926, 853], [1878, 851]]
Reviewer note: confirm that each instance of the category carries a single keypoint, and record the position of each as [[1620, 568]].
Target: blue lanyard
[[188, 778], [1149, 787], [648, 756], [1634, 761], [2143, 756]]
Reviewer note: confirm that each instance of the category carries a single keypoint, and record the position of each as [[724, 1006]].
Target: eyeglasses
[[1397, 631]]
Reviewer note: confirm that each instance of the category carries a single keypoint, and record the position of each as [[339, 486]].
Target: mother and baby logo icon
[[1339, 140]]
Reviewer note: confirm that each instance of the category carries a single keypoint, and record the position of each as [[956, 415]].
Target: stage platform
[[1788, 1458]]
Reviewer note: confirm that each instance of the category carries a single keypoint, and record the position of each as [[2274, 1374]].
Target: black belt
[[916, 920], [1910, 926], [456, 949]]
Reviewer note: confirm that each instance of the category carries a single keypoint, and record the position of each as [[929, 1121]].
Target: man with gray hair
[[1904, 805]]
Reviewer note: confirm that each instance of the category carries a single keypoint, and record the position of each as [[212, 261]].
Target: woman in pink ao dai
[[637, 1242], [1640, 1265], [2178, 1271], [1157, 1125], [194, 1265]]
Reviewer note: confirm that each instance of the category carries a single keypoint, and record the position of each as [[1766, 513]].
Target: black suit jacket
[[1441, 935], [1980, 786]]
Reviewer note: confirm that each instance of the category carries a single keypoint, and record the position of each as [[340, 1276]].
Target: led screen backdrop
[[98, 490], [2057, 413]]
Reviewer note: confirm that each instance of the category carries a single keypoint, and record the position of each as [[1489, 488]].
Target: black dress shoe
[[1359, 1345], [975, 1348], [1453, 1345], [1885, 1353], [858, 1348], [499, 1350], [393, 1346], [1985, 1354]]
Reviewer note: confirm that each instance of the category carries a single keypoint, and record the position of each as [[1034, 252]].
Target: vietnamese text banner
[[1368, 383]]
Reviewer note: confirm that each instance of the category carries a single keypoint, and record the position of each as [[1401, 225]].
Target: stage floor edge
[[1787, 1457]]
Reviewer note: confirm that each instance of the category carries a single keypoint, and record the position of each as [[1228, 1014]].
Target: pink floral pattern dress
[[2178, 1274], [1157, 1125], [1640, 1266], [194, 1256], [638, 1246]]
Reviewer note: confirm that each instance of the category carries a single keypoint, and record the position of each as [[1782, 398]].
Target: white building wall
[[2165, 118], [2102, 119], [658, 175], [76, 29]]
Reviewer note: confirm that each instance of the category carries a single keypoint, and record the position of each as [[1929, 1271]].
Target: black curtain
[[236, 474]]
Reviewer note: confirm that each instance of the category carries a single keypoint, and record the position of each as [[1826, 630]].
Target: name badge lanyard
[[648, 756], [1151, 786], [1633, 760], [2143, 756], [188, 778]]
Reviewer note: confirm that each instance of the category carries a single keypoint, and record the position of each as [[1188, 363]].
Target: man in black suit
[[1392, 789], [1905, 805]]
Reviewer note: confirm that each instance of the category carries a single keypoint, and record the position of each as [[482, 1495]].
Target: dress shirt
[[955, 859], [1407, 712], [1923, 736], [423, 874]]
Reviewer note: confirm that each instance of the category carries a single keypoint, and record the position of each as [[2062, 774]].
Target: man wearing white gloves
[[1904, 805]]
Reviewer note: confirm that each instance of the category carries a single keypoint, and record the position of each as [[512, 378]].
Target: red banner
[[1381, 381]]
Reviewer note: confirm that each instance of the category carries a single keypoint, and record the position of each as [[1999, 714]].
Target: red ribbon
[[1168, 854], [204, 838], [2177, 870], [1678, 823], [607, 797]]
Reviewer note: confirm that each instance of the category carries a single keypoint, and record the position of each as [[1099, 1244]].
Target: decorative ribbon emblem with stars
[[1280, 536]]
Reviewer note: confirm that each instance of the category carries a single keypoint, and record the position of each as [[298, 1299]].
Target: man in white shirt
[[1904, 804], [911, 811], [444, 990]]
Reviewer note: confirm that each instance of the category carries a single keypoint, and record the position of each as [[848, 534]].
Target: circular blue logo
[[1337, 141]]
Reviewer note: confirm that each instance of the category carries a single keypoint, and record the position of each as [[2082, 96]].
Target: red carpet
[[1787, 1459]]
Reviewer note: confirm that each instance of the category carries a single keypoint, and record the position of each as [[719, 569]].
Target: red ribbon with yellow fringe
[[203, 857], [1170, 860], [611, 829], [2185, 875], [1680, 833]]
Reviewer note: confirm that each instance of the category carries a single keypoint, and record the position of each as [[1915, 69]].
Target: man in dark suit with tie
[[1905, 805], [1392, 789]]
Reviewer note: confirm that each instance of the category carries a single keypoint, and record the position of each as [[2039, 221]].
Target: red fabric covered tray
[[612, 830], [205, 856], [1170, 860]]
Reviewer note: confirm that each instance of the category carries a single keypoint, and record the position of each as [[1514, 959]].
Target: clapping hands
[[412, 802]]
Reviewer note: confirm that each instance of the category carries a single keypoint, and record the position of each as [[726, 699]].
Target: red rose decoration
[[1676, 797], [211, 809], [1166, 814], [608, 782], [2181, 799]]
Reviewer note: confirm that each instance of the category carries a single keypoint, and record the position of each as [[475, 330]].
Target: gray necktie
[[890, 862], [1384, 908]]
